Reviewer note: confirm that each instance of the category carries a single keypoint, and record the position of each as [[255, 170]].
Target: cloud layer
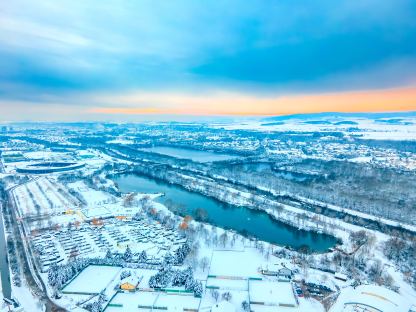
[[68, 53]]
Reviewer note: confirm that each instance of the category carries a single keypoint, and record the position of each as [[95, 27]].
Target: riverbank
[[346, 217], [337, 223], [245, 220], [200, 182]]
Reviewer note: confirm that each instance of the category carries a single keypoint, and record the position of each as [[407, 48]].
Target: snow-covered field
[[242, 264], [131, 301], [363, 127], [43, 196], [92, 280], [76, 220], [178, 302], [272, 293]]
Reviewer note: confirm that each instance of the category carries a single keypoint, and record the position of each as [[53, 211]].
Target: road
[[4, 265]]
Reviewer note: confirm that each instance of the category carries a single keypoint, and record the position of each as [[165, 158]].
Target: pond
[[185, 153], [243, 220]]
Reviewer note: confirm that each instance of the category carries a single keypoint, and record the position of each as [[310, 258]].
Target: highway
[[4, 265]]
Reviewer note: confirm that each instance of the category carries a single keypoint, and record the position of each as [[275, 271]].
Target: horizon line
[[393, 112]]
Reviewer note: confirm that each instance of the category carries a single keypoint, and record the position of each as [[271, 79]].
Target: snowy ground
[[229, 269], [242, 264], [367, 128], [27, 299], [272, 293], [92, 280], [131, 301]]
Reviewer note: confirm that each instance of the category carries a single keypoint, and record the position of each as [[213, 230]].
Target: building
[[283, 273], [129, 283], [370, 298], [49, 167]]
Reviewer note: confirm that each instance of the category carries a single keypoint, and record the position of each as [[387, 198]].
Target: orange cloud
[[401, 99]]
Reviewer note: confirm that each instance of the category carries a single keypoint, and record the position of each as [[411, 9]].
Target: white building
[[370, 298]]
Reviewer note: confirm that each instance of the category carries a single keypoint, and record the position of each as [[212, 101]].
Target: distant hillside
[[328, 115]]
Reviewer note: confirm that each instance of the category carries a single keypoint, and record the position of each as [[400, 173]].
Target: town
[[219, 217], [208, 156]]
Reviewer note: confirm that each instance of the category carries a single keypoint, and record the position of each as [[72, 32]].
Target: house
[[370, 298], [285, 273], [129, 283]]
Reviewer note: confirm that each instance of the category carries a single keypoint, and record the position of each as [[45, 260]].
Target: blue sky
[[71, 56]]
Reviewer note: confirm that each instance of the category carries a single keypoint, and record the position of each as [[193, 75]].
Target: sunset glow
[[184, 155], [91, 60], [238, 104]]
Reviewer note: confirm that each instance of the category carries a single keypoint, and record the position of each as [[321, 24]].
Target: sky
[[82, 60]]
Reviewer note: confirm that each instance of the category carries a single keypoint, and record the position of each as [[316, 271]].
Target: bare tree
[[204, 263], [224, 239], [215, 294], [227, 296]]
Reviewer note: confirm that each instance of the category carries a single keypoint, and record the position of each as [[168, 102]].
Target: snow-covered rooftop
[[371, 298]]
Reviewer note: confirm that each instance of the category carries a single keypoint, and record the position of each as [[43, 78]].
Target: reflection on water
[[195, 155], [243, 220]]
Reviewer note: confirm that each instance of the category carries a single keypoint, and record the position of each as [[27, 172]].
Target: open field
[[92, 280]]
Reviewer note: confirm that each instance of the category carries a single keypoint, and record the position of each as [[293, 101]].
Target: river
[[243, 220], [185, 153]]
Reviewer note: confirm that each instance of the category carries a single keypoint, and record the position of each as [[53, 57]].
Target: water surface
[[241, 219], [184, 153]]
